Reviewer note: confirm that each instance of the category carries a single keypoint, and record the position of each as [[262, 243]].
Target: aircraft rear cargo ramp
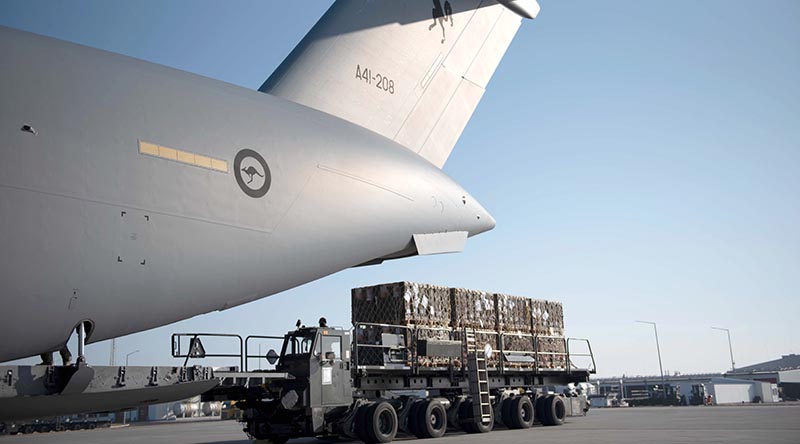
[[39, 391]]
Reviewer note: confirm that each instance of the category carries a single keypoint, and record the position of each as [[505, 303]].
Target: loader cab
[[298, 348], [320, 358]]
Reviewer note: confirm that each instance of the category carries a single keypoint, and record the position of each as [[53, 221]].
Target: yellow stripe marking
[[184, 157], [148, 148], [219, 165], [167, 153], [202, 161]]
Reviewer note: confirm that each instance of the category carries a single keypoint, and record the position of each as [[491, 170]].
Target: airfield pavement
[[738, 424]]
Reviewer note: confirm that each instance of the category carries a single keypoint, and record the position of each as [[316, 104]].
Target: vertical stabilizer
[[410, 70]]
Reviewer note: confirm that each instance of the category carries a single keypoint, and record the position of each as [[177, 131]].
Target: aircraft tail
[[410, 70]]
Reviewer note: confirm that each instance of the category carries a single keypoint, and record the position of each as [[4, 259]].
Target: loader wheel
[[505, 412], [554, 410], [539, 409], [431, 419], [257, 430], [521, 412], [465, 416], [381, 423], [360, 423], [453, 418], [472, 424], [413, 422]]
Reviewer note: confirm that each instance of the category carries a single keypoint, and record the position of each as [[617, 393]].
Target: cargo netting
[[404, 312], [402, 303], [513, 313], [473, 309]]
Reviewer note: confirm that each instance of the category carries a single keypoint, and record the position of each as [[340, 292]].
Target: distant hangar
[[784, 372]]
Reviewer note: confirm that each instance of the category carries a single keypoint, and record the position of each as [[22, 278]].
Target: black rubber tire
[[453, 420], [431, 419], [275, 439], [555, 411], [465, 416], [360, 421], [521, 412], [505, 412], [539, 407], [381, 424], [475, 425], [412, 425], [480, 427]]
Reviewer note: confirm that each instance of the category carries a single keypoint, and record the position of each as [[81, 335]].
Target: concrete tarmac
[[740, 424]]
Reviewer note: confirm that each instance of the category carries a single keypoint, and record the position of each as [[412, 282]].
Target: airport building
[[785, 372], [688, 388], [746, 384]]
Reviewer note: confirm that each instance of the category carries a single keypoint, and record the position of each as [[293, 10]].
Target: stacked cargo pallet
[[548, 317], [525, 325], [405, 304], [475, 310], [514, 321], [548, 326], [402, 303]]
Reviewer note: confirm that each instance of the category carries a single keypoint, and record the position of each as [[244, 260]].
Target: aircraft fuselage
[[134, 195]]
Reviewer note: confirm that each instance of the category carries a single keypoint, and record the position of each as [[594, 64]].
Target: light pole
[[112, 359], [658, 348], [730, 347], [128, 356], [125, 414]]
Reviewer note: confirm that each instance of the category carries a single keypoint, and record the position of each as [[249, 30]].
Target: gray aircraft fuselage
[[95, 226]]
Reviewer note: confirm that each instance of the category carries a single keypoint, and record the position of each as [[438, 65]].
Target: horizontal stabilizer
[[438, 243], [410, 70]]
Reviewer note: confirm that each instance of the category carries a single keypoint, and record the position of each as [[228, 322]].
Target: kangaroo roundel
[[252, 173]]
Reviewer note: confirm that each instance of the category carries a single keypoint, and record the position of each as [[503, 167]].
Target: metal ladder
[[478, 379]]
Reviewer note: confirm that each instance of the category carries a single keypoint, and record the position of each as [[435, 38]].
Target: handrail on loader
[[195, 345], [196, 350], [590, 354]]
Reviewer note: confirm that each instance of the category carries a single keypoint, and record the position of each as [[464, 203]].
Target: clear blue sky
[[642, 160]]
